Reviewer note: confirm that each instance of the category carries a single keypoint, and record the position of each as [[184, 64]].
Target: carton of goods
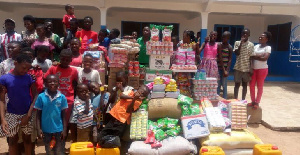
[[195, 126], [166, 107], [215, 119], [173, 94], [242, 139], [152, 74], [134, 82], [239, 152], [110, 151], [79, 148], [155, 95], [159, 88], [159, 62], [138, 126], [211, 150], [238, 115], [266, 149]]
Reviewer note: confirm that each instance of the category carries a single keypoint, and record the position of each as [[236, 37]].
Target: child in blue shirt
[[51, 120], [18, 85]]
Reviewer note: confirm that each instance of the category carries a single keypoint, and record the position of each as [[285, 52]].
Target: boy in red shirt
[[66, 21], [86, 35], [68, 77]]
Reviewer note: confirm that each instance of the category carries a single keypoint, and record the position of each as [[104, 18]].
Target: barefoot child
[[51, 120], [17, 85], [224, 62], [209, 61], [243, 50], [121, 114], [41, 59], [83, 113]]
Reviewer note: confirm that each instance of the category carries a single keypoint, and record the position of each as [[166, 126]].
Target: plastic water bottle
[[202, 74], [197, 76]]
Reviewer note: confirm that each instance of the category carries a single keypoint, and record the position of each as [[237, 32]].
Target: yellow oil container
[[82, 148], [266, 149], [211, 150], [110, 151]]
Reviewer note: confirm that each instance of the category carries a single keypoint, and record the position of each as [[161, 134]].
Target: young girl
[[41, 59], [29, 35], [260, 68], [209, 61], [43, 40], [77, 57]]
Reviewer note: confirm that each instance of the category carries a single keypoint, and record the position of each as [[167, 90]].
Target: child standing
[[224, 62], [103, 38], [121, 113], [51, 122], [29, 35], [13, 48], [243, 50], [17, 85], [77, 57], [260, 68], [54, 39], [41, 59], [66, 21], [68, 77], [9, 36], [43, 40], [86, 74], [83, 113], [209, 61], [86, 35]]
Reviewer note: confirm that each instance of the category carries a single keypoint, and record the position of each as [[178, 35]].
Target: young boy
[[243, 49], [86, 35], [66, 21], [77, 57], [54, 39], [8, 37], [121, 113], [13, 48], [99, 102], [224, 62], [18, 85], [86, 74], [51, 120], [41, 59], [68, 77], [103, 38], [83, 113]]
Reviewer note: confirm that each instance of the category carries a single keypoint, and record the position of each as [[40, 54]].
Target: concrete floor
[[281, 108]]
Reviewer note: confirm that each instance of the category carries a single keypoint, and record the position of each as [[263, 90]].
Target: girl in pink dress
[[209, 61]]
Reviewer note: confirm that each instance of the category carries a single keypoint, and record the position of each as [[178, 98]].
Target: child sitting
[[41, 59], [51, 121], [99, 101], [17, 85], [43, 40], [82, 113], [121, 114]]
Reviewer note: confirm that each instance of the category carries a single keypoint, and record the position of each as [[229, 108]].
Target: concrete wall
[[18, 12], [184, 19], [254, 23]]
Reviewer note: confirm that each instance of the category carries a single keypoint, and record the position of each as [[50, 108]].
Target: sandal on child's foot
[[255, 106]]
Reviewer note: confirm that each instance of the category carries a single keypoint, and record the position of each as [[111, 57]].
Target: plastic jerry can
[[82, 148], [211, 150], [108, 151], [266, 149]]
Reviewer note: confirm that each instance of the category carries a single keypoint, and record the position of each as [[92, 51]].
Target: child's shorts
[[13, 121], [84, 135]]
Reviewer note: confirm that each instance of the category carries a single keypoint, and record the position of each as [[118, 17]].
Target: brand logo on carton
[[194, 122]]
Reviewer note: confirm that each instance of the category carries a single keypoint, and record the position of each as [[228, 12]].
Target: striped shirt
[[243, 60], [5, 39], [225, 58], [83, 120]]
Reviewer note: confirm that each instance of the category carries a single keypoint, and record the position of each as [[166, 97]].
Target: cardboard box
[[152, 74], [131, 57], [195, 126], [102, 75], [114, 70], [159, 62], [134, 82]]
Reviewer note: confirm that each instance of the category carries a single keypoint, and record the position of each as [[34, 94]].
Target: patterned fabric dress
[[209, 61]]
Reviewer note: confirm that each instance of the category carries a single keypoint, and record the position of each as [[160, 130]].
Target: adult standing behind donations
[[260, 68], [143, 57]]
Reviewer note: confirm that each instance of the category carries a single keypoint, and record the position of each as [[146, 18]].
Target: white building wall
[[184, 19], [254, 23]]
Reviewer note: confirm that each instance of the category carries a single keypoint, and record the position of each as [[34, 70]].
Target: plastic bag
[[174, 132], [171, 123], [195, 109], [162, 123], [160, 134], [167, 32], [152, 125], [185, 110], [109, 141], [184, 100], [154, 32]]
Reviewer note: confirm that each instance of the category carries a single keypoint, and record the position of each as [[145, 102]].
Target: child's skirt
[[13, 121], [210, 66]]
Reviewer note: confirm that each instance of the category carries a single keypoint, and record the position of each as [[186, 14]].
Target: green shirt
[[143, 57]]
